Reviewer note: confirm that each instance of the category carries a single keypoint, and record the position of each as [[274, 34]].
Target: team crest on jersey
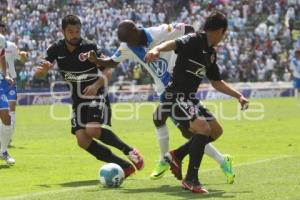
[[159, 67], [193, 110], [83, 57], [12, 92]]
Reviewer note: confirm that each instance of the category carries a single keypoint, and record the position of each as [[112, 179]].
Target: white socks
[[5, 135], [163, 140], [212, 152], [12, 122]]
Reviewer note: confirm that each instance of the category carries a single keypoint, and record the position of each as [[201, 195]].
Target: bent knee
[[93, 132], [83, 143]]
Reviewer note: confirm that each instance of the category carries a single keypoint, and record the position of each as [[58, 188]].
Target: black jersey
[[74, 66], [195, 61]]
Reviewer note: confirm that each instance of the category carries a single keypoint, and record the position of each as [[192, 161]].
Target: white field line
[[39, 194]]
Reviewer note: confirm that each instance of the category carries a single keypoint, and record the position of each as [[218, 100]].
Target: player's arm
[[103, 79], [46, 64], [154, 53], [223, 87], [4, 67], [182, 45], [43, 68], [101, 61]]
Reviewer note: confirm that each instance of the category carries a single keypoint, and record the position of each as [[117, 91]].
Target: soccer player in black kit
[[196, 60], [91, 106]]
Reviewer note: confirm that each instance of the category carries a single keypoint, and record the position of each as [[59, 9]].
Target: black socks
[[108, 137], [196, 152], [104, 154]]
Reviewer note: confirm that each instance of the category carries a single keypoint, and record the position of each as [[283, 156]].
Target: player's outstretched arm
[[153, 54], [223, 87], [43, 68], [101, 61]]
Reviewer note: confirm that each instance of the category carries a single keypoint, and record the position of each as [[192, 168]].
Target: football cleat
[[160, 170]]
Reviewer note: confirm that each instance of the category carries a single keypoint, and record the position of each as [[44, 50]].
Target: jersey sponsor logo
[[178, 26], [159, 67], [72, 77], [83, 57], [3, 97]]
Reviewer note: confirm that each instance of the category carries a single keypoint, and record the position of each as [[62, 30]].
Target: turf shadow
[[80, 183], [178, 192]]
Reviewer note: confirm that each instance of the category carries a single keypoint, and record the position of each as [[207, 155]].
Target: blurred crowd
[[258, 46]]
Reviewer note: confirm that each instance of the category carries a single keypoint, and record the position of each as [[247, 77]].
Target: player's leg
[[12, 99], [224, 160], [185, 113], [159, 120], [101, 152], [6, 129], [102, 115], [196, 145]]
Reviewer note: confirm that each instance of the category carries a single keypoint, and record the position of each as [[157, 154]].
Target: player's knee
[[6, 120], [93, 132], [216, 132], [83, 143], [200, 127]]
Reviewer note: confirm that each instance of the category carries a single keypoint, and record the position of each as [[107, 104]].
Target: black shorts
[[91, 111], [182, 110]]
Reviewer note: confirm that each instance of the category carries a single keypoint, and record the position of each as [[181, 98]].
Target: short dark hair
[[70, 19], [215, 21], [2, 24]]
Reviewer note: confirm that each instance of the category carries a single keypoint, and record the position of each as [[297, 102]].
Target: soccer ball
[[111, 175]]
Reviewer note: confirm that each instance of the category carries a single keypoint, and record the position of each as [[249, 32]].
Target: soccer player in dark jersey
[[196, 59], [136, 42], [91, 106]]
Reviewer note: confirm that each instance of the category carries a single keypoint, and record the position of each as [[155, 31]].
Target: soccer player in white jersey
[[135, 43], [295, 67], [12, 53], [6, 128]]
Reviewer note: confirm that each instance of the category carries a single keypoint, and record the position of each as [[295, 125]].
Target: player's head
[[71, 28], [2, 28], [128, 32], [216, 25]]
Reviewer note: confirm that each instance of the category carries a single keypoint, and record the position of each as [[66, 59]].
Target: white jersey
[[295, 66], [161, 69], [11, 54]]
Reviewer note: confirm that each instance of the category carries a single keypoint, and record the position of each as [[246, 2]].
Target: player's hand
[[90, 91], [152, 55], [43, 68], [92, 56], [244, 102], [23, 56], [9, 79]]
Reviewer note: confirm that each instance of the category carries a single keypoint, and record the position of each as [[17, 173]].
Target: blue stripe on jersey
[[149, 37], [165, 79]]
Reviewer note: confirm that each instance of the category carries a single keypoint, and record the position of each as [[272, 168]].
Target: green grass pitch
[[51, 166]]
